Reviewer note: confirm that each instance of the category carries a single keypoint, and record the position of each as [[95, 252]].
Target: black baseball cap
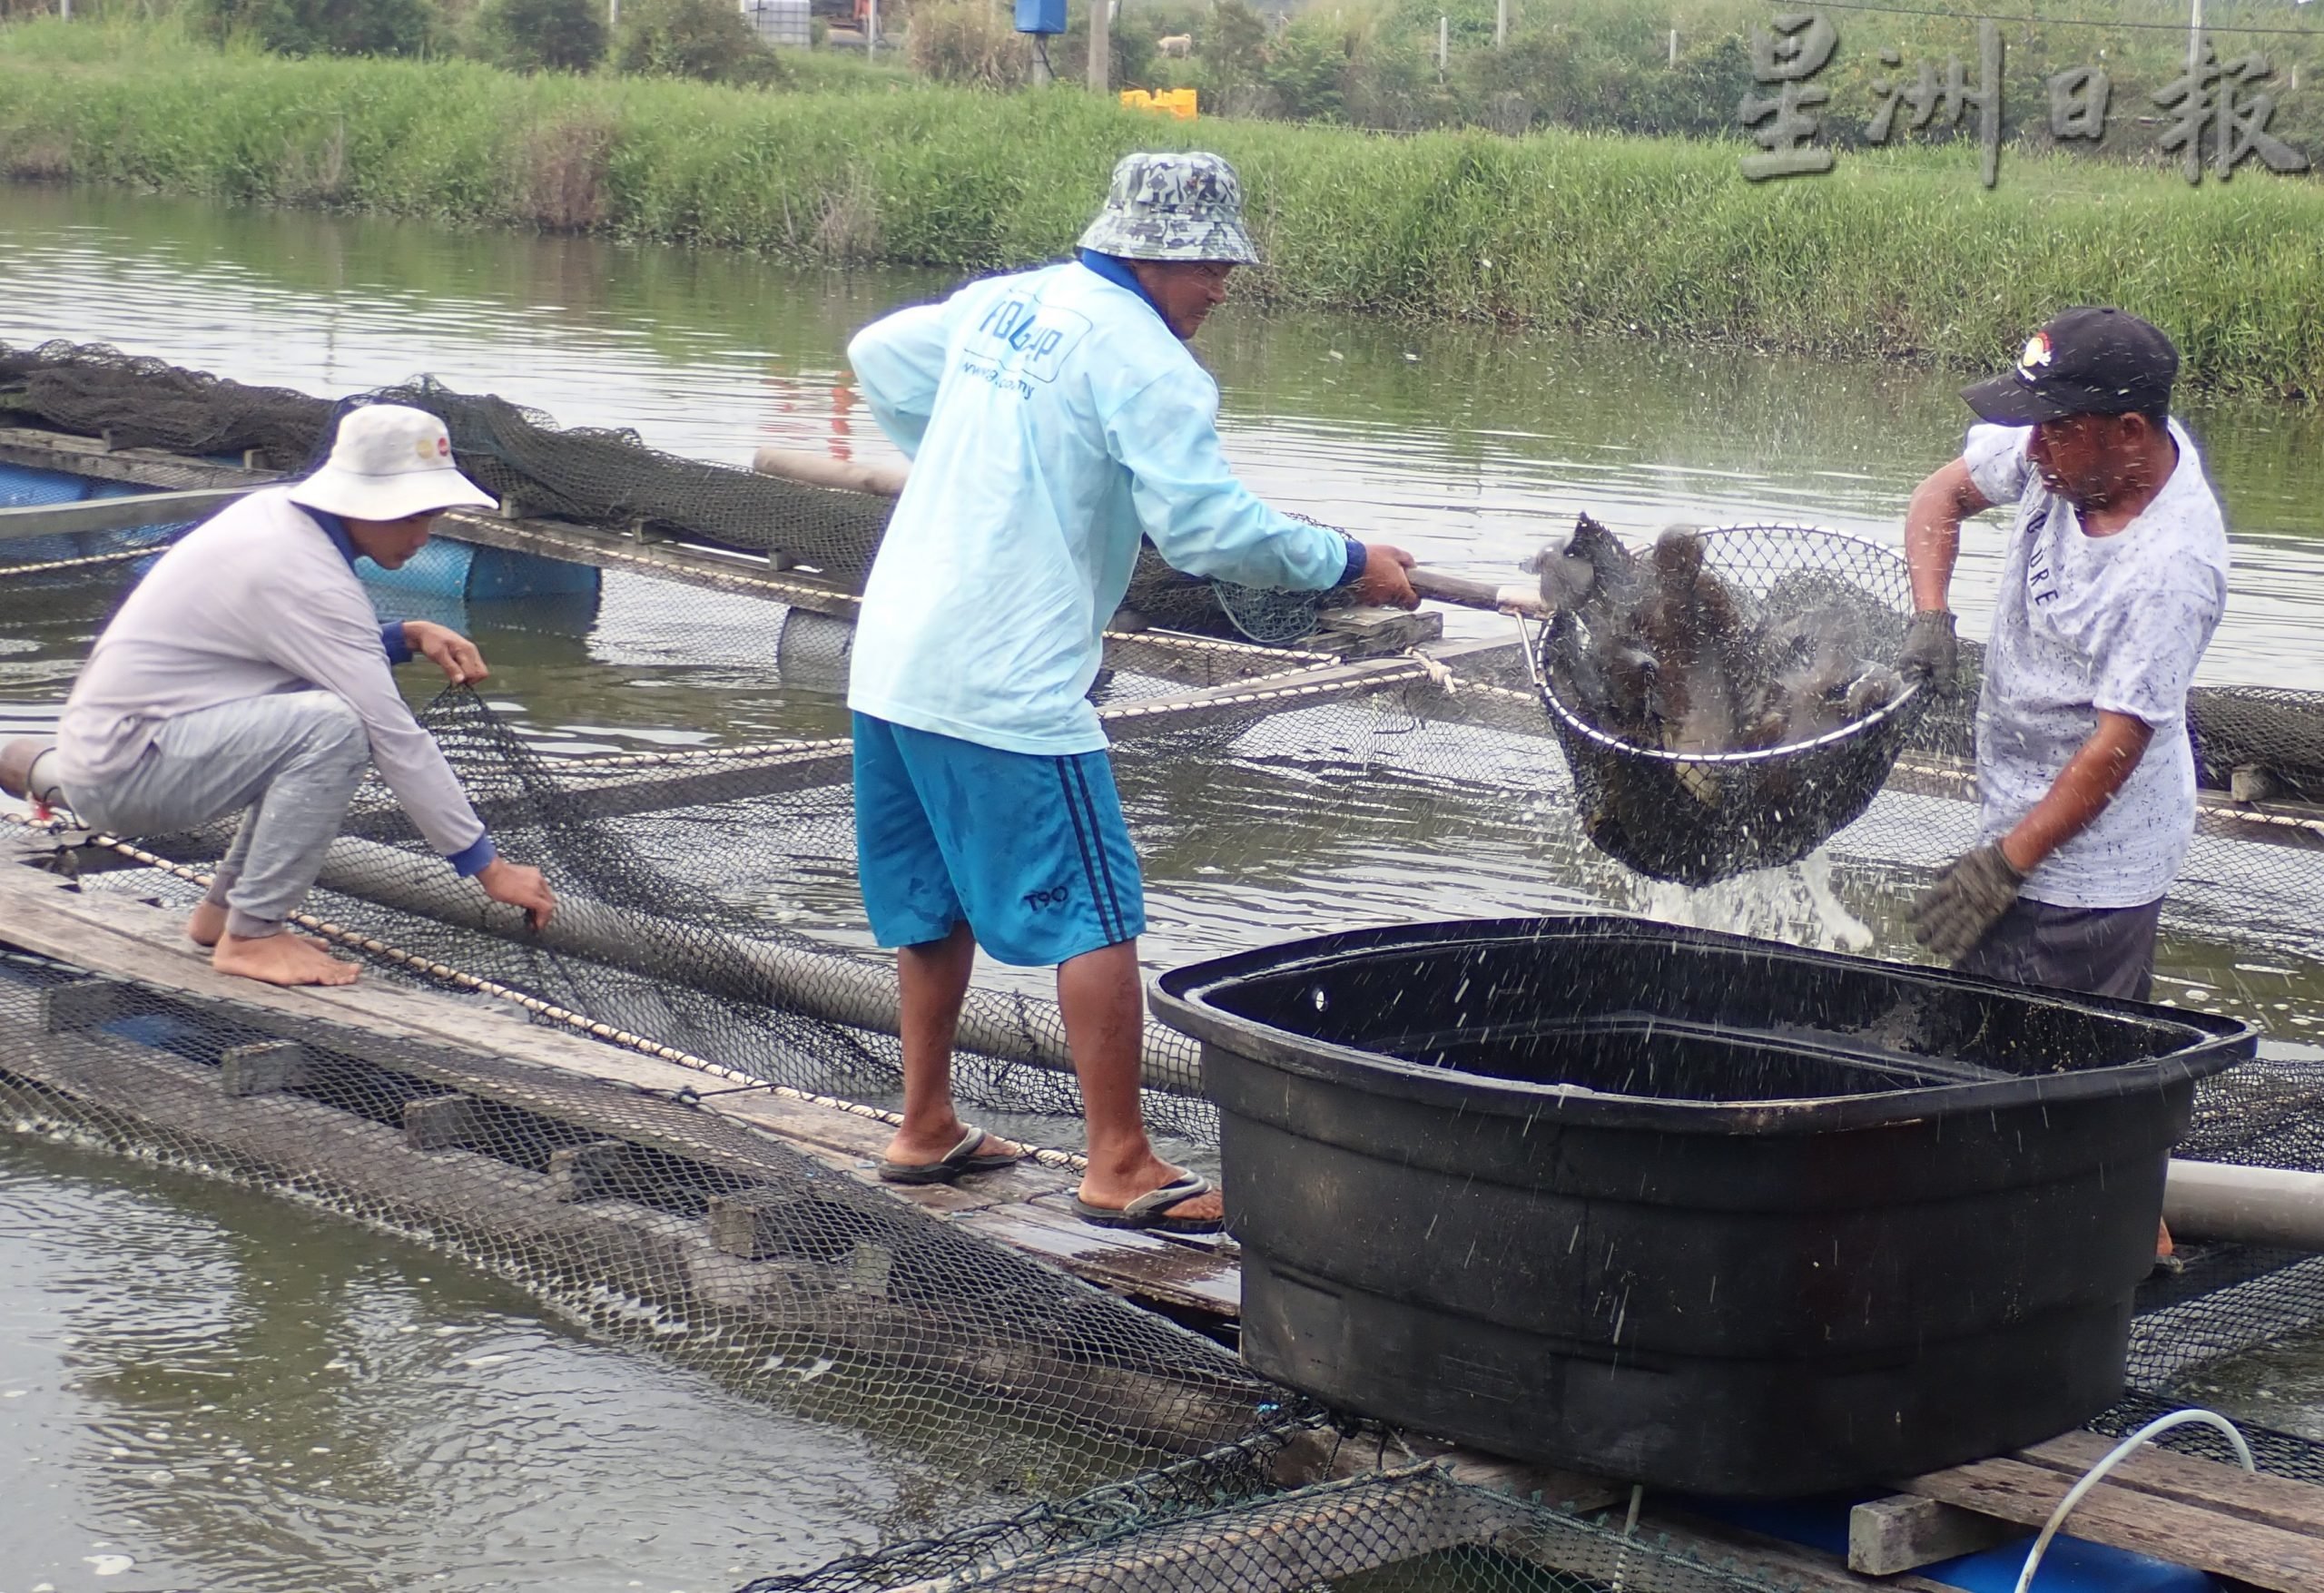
[[2083, 361]]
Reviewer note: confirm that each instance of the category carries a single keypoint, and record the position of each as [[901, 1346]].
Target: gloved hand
[[1931, 653], [1969, 898]]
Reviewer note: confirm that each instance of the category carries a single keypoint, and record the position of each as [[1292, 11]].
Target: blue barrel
[[22, 487], [446, 567]]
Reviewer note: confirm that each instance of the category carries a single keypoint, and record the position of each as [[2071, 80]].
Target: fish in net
[[1726, 701]]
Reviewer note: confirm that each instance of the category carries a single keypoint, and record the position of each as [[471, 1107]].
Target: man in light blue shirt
[[1054, 417]]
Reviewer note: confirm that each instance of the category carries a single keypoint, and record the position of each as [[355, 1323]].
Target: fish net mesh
[[1768, 759], [688, 1170]]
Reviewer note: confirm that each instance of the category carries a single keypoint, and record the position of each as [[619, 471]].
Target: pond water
[[206, 1387], [431, 1423]]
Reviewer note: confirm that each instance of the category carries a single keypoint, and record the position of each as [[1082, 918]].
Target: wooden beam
[[440, 1123], [81, 1004], [2264, 1555], [38, 449], [1904, 1532], [263, 1069], [114, 513]]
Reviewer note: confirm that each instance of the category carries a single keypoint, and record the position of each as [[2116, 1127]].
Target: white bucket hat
[[388, 462]]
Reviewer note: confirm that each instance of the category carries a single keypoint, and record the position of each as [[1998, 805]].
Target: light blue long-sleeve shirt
[[1051, 417]]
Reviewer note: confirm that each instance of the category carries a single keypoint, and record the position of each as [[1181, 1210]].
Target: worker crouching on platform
[[248, 674], [1053, 417], [2112, 582]]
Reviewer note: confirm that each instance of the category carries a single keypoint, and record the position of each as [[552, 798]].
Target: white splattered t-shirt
[[2084, 624]]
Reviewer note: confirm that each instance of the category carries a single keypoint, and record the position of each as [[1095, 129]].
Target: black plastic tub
[[1685, 1208]]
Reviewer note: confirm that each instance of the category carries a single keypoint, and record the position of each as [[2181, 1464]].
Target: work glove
[[1931, 653], [1969, 898]]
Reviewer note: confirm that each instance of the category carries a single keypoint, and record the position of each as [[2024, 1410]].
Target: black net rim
[[1911, 699]]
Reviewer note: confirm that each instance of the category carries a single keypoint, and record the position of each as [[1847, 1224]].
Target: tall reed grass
[[1896, 255]]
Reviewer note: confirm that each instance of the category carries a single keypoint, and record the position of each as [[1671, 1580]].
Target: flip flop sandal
[[959, 1160], [1150, 1211]]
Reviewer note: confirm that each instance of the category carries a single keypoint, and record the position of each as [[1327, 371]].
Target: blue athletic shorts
[[1031, 851]]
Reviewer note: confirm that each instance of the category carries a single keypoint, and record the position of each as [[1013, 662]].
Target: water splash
[[1794, 903]]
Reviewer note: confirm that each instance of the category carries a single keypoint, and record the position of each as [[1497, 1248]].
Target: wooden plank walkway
[[1027, 1207]]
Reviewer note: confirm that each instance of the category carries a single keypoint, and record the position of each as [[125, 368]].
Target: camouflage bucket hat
[[1172, 206]]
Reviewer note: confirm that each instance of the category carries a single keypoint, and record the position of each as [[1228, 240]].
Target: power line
[[2164, 27]]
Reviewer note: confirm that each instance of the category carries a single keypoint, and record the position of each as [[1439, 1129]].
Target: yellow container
[[1178, 103]]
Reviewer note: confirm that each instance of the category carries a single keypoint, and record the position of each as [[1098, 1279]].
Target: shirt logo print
[[1027, 338], [2041, 579]]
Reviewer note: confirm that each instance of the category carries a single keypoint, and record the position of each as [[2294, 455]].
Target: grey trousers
[[2098, 950], [288, 763]]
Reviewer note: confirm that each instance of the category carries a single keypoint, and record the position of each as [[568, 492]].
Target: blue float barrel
[[464, 570]]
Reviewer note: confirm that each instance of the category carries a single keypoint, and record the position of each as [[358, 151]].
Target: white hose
[[2091, 1478]]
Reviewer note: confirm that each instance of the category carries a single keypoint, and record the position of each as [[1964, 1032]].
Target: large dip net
[[656, 1114], [1727, 701]]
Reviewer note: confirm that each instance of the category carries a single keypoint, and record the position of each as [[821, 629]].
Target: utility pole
[[2195, 41], [871, 29], [1444, 41], [1674, 49], [1501, 25], [613, 15], [1101, 47]]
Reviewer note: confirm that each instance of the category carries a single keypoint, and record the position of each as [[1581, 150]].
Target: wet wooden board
[[120, 938], [2275, 1502], [1192, 1276], [2123, 1516]]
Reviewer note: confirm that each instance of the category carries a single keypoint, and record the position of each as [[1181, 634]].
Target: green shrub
[[1306, 67], [971, 43], [542, 35], [706, 40], [323, 27], [1231, 45]]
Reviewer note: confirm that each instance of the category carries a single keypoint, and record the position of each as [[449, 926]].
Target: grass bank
[[1897, 254]]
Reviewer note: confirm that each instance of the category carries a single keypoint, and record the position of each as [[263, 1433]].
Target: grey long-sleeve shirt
[[264, 598]]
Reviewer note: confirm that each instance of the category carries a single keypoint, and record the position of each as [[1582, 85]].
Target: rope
[[1063, 1160], [121, 557]]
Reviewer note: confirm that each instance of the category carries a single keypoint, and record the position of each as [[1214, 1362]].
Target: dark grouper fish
[[1662, 652]]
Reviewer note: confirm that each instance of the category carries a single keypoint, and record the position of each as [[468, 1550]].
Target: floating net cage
[[710, 940]]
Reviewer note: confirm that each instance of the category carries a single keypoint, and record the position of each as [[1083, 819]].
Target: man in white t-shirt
[[2113, 581]]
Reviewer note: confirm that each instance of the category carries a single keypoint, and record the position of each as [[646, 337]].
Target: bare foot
[[207, 927], [280, 960]]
